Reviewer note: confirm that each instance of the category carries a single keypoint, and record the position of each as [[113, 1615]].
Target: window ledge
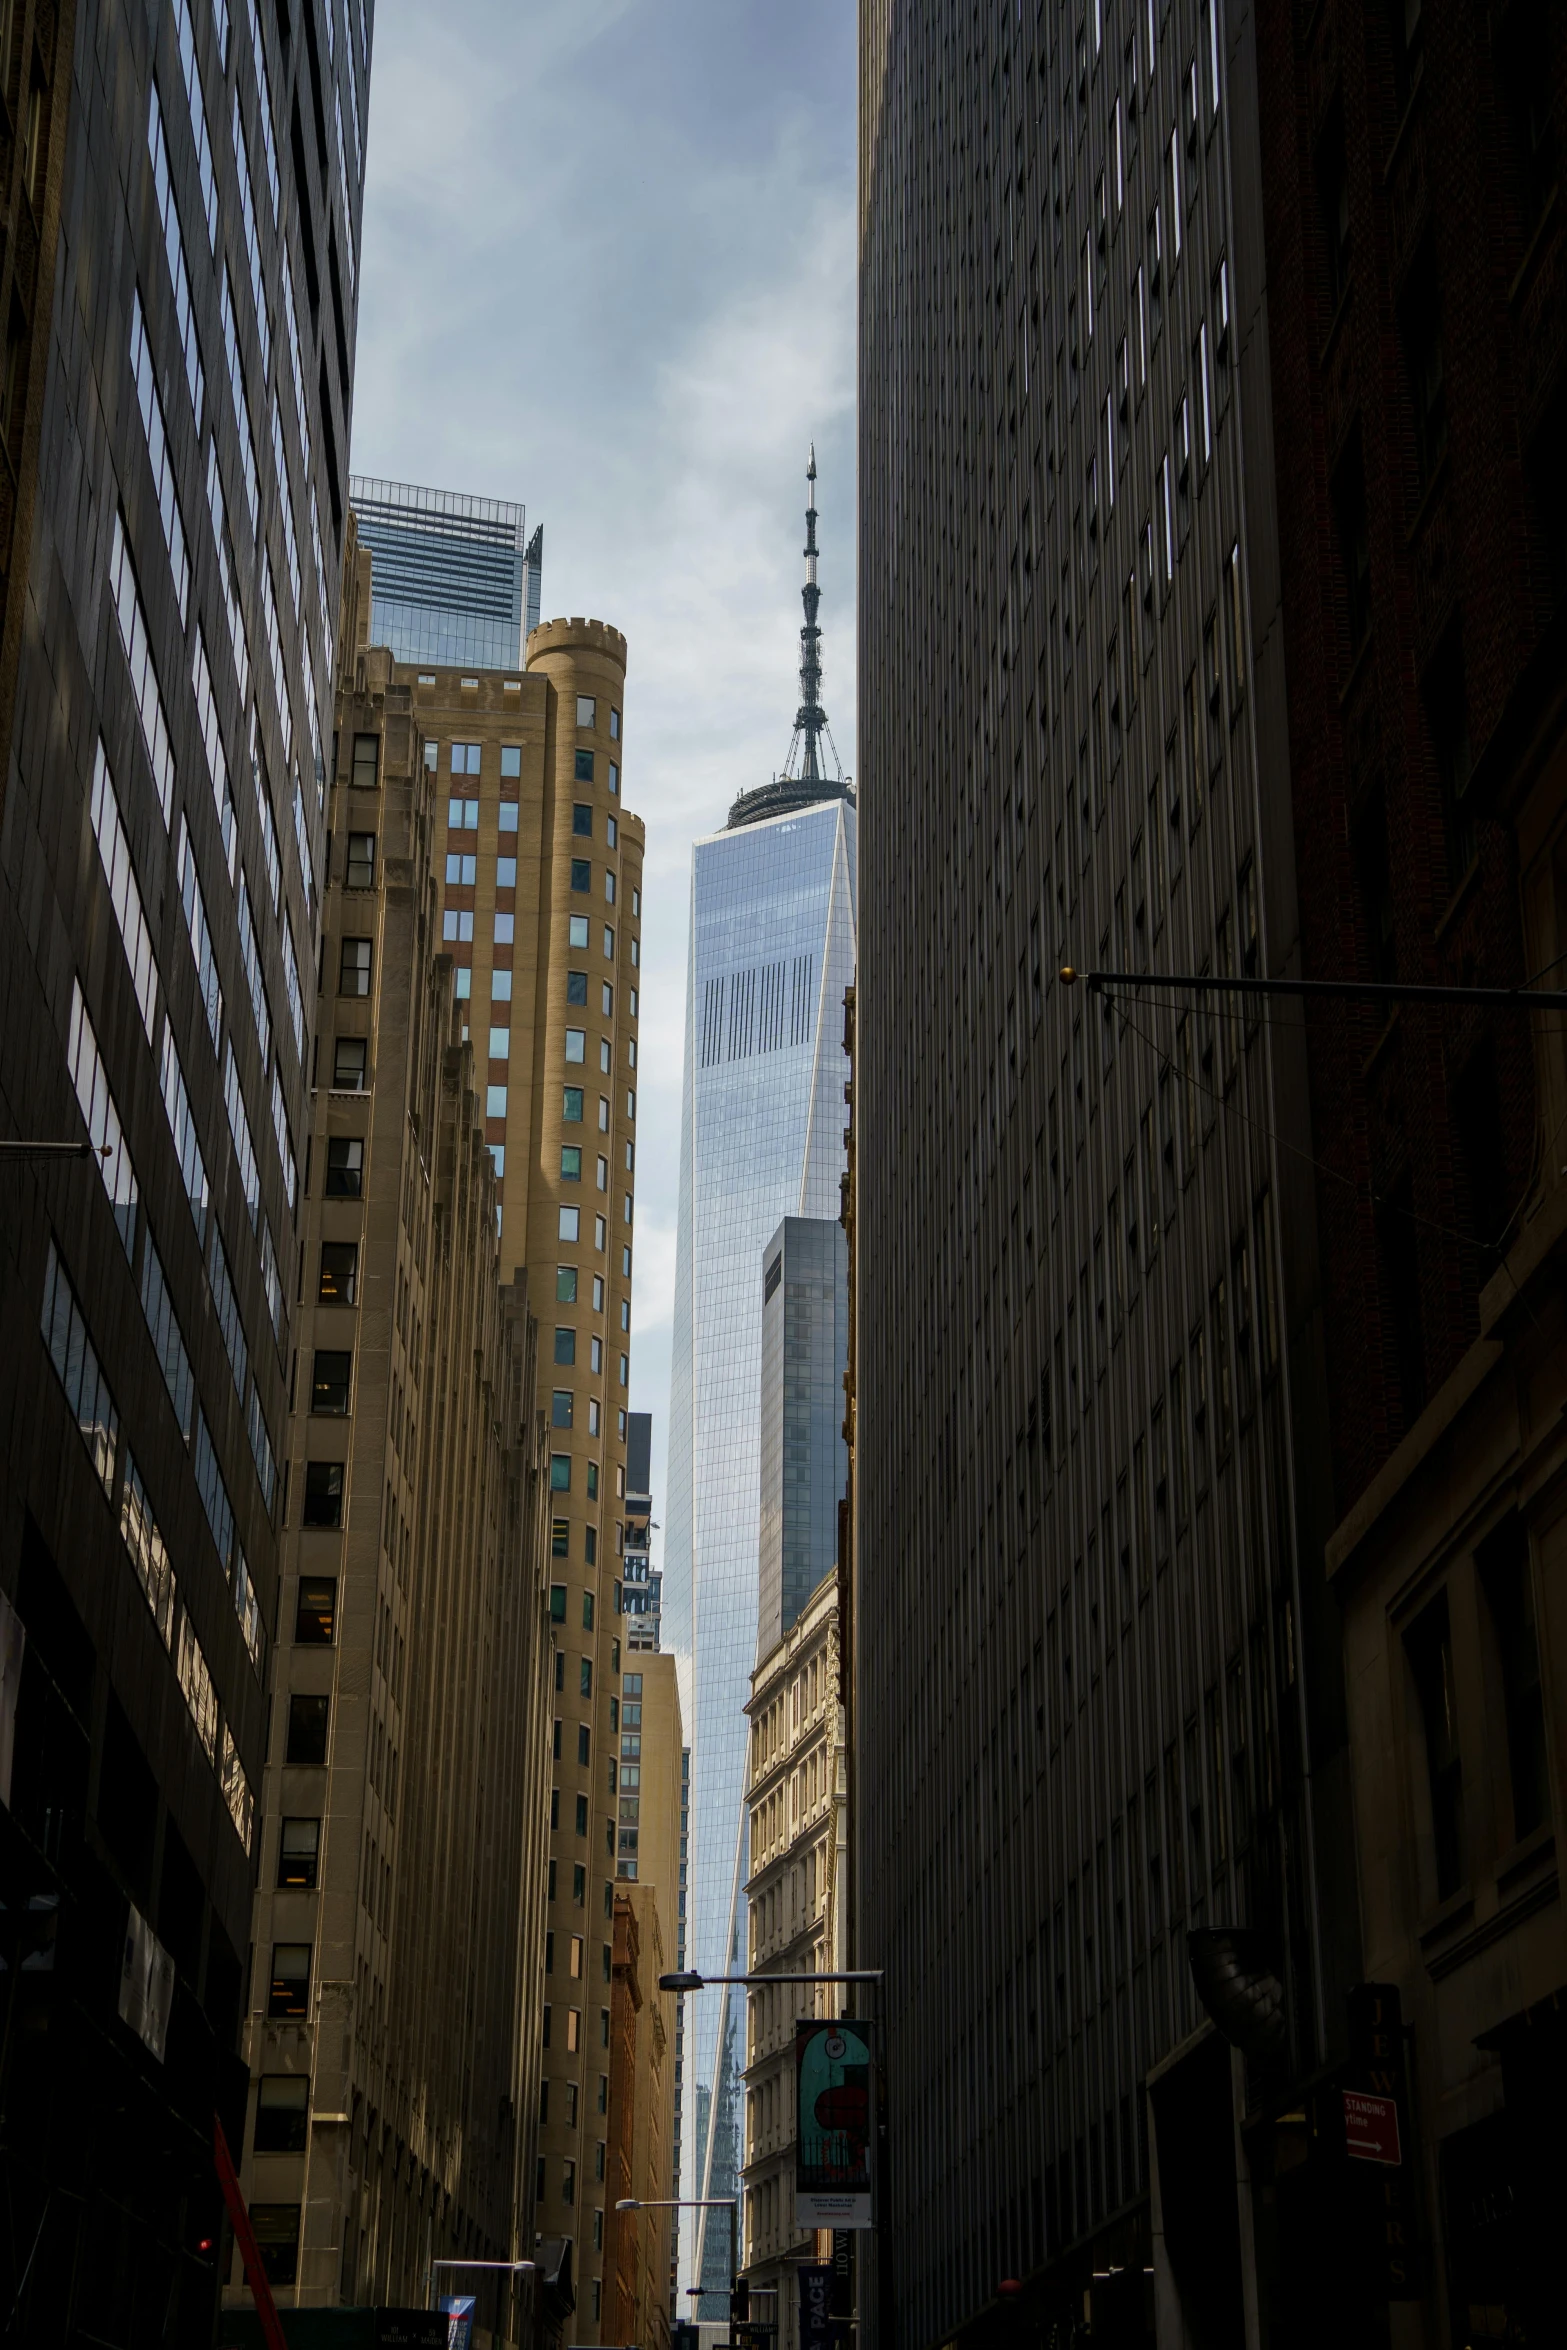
[[348, 1093], [1455, 1911], [1529, 1854], [1456, 903]]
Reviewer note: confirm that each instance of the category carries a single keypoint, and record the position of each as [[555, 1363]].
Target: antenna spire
[[810, 720]]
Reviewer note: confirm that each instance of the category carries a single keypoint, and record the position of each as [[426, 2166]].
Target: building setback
[[805, 1339], [404, 1807], [182, 258], [541, 911], [1089, 1344]]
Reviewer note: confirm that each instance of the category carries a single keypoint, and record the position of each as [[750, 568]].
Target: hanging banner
[[459, 2314], [817, 2330], [835, 2108]]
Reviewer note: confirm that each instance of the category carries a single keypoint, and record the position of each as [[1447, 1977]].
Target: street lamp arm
[[695, 1982]]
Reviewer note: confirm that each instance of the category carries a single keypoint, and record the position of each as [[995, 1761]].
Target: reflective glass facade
[[772, 950], [456, 581], [805, 1462]]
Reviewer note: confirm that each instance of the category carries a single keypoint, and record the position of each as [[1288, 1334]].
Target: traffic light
[[739, 2301]]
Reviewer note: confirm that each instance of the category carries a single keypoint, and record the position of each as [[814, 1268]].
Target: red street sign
[[1371, 2128]]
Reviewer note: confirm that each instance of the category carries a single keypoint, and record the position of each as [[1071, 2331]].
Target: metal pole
[[1371, 991]]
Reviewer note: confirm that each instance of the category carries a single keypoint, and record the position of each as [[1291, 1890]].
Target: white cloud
[[609, 264]]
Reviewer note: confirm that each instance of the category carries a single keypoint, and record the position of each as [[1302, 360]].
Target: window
[[560, 1409], [349, 1064], [462, 815], [571, 1162], [581, 882], [570, 1219], [505, 872], [345, 1166], [560, 1472], [330, 1381], [505, 929], [1508, 1584], [1421, 322], [1447, 724], [576, 1044], [298, 1852], [585, 1676], [608, 1004], [323, 1504], [290, 1991], [495, 1101], [582, 1815], [584, 767], [1354, 546], [506, 817], [315, 1612], [354, 967], [500, 1044], [576, 987], [566, 1291], [457, 928], [609, 887], [366, 762], [611, 832], [1333, 209], [586, 708], [465, 758], [361, 860], [307, 1729], [558, 1602], [282, 2113], [276, 2230], [1428, 1644], [571, 1106], [461, 872], [566, 1340]]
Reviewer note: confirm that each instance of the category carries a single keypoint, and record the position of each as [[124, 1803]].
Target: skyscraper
[[412, 1669], [771, 951], [457, 579], [180, 388], [643, 1591], [1089, 1318]]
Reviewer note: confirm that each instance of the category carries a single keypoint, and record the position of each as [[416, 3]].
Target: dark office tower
[[805, 1351], [1417, 254], [1098, 1697], [183, 377], [642, 1588]]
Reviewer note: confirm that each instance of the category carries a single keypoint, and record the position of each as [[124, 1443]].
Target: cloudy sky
[[609, 271]]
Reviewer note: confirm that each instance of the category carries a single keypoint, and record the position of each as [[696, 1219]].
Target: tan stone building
[[541, 899], [1451, 1570], [639, 2246], [393, 2036], [797, 1793]]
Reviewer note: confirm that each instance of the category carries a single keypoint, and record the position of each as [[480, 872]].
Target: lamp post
[[691, 1981], [512, 2268], [729, 2203]]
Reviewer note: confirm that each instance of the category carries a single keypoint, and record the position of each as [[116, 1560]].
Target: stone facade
[[396, 1994], [797, 1794], [540, 878]]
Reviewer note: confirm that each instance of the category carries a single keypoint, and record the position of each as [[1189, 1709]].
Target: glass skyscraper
[[456, 580], [772, 948]]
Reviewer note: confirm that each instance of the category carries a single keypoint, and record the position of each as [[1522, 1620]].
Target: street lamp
[[513, 2268], [729, 2203], [695, 1982]]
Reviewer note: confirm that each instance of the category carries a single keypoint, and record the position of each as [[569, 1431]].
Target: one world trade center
[[762, 1117]]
